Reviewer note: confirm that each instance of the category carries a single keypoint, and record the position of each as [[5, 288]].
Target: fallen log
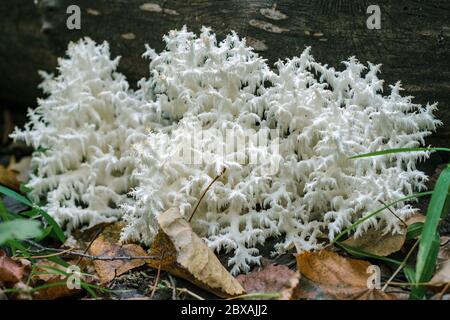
[[412, 42]]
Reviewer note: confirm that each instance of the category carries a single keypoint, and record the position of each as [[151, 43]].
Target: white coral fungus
[[82, 133], [91, 132]]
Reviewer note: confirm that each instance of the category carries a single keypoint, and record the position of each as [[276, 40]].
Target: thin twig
[[184, 290], [100, 230], [157, 277], [87, 256], [52, 254], [206, 190], [392, 211], [443, 291], [407, 284], [258, 295], [401, 266]]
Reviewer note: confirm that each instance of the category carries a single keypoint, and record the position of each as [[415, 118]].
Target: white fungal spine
[[197, 90]]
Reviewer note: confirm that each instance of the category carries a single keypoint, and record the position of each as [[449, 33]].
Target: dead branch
[[41, 248]]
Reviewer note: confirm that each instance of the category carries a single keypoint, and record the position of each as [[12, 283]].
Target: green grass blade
[[56, 229], [54, 270], [45, 233], [30, 213], [17, 245], [363, 254], [414, 230], [409, 274], [3, 212], [89, 290], [11, 193], [58, 260], [396, 150], [426, 257], [370, 215]]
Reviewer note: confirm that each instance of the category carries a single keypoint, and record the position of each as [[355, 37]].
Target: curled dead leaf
[[10, 271], [327, 275], [179, 251], [108, 270], [272, 279]]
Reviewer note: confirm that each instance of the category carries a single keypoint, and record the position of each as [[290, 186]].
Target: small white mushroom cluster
[[96, 160]]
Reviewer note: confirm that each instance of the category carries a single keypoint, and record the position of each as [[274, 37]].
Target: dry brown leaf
[[108, 270], [44, 275], [273, 278], [8, 178], [375, 242], [418, 217], [10, 271], [327, 275], [179, 251], [444, 251], [442, 276]]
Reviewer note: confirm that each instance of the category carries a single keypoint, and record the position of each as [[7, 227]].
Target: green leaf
[[417, 292], [10, 193], [429, 240], [89, 290], [363, 254], [17, 245], [409, 274], [30, 213], [56, 229], [45, 233], [414, 230], [19, 229], [24, 189], [3, 212], [396, 150]]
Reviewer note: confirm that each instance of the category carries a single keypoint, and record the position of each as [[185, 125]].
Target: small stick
[[52, 254], [88, 256], [185, 290], [441, 294], [389, 208], [400, 267], [206, 190], [157, 277], [100, 230]]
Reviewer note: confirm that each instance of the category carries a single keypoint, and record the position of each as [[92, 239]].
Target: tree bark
[[412, 43]]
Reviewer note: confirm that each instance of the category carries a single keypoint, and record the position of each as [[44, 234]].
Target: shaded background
[[412, 43]]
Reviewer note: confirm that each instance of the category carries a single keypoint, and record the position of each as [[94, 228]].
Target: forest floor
[[94, 265]]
